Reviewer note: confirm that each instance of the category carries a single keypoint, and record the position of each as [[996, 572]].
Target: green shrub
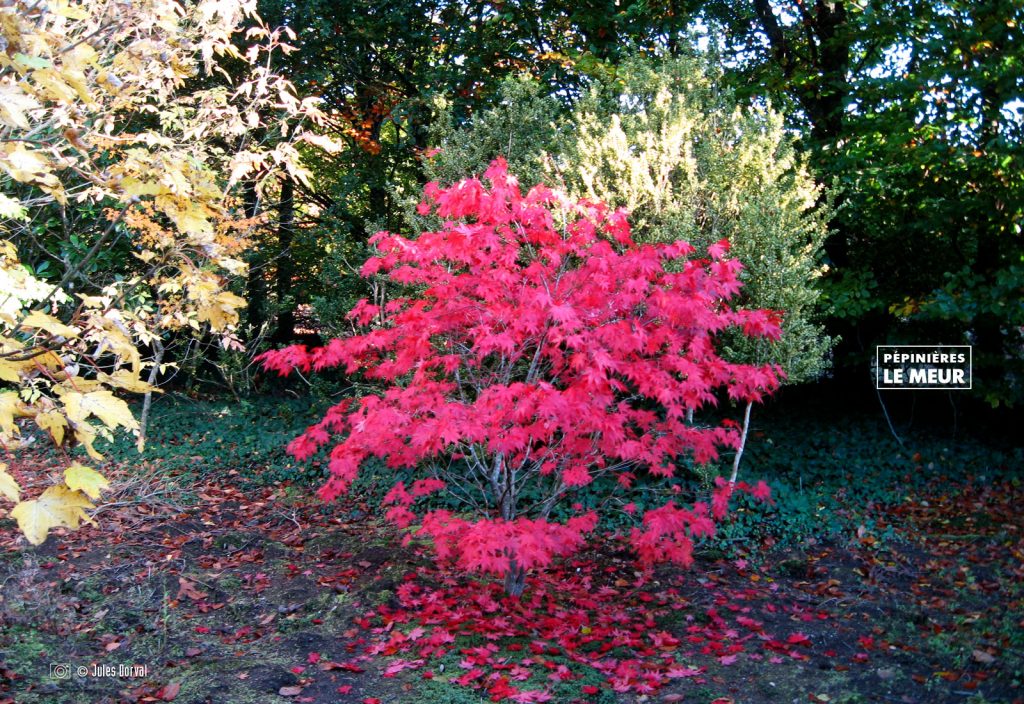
[[664, 140]]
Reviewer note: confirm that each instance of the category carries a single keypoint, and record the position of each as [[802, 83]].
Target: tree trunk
[[502, 484], [285, 330], [255, 285], [515, 580], [742, 445], [147, 400]]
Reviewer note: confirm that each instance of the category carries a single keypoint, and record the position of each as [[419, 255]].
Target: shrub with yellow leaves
[[125, 130]]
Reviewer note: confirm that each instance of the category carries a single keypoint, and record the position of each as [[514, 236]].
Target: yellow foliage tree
[[136, 121]]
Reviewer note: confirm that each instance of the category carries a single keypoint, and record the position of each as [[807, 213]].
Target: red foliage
[[541, 346]]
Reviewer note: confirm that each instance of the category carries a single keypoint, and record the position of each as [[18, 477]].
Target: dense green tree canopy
[[908, 114], [912, 113]]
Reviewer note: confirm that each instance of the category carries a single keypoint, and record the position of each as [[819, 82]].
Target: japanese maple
[[538, 348]]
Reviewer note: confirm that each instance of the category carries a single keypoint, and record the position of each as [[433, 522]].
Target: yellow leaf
[[38, 360], [76, 384], [85, 433], [9, 344], [188, 216], [11, 407], [14, 103], [64, 9], [134, 187], [124, 379], [42, 321], [26, 166], [222, 312], [11, 208], [107, 332], [77, 80], [8, 486], [57, 506], [52, 85], [329, 145], [233, 266], [94, 301], [81, 56], [9, 371], [85, 479], [176, 182], [111, 411], [242, 164], [55, 423], [48, 360], [33, 520]]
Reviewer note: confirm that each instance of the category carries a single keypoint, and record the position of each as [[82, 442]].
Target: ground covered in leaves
[[209, 586]]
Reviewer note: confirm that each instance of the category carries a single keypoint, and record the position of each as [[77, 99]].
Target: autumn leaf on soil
[[169, 692], [798, 639], [188, 589]]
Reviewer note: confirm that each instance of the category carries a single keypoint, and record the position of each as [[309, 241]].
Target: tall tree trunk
[[378, 191], [285, 330], [256, 284], [816, 74], [833, 65], [821, 84]]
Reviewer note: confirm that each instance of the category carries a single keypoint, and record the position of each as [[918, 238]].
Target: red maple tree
[[539, 347]]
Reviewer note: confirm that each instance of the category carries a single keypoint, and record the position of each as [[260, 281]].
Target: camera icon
[[60, 671]]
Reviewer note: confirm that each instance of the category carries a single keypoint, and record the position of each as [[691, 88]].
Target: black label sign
[[923, 367]]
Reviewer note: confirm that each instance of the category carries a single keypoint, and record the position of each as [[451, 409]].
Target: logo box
[[923, 367]]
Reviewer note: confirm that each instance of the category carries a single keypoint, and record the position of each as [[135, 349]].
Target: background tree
[[385, 75], [376, 72], [913, 111]]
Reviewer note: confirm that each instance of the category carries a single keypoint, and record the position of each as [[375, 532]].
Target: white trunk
[[743, 444], [147, 400]]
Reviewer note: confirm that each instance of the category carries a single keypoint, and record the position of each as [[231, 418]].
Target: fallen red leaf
[[188, 589], [168, 692]]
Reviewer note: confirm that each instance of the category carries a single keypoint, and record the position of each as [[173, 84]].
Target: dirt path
[[253, 596]]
